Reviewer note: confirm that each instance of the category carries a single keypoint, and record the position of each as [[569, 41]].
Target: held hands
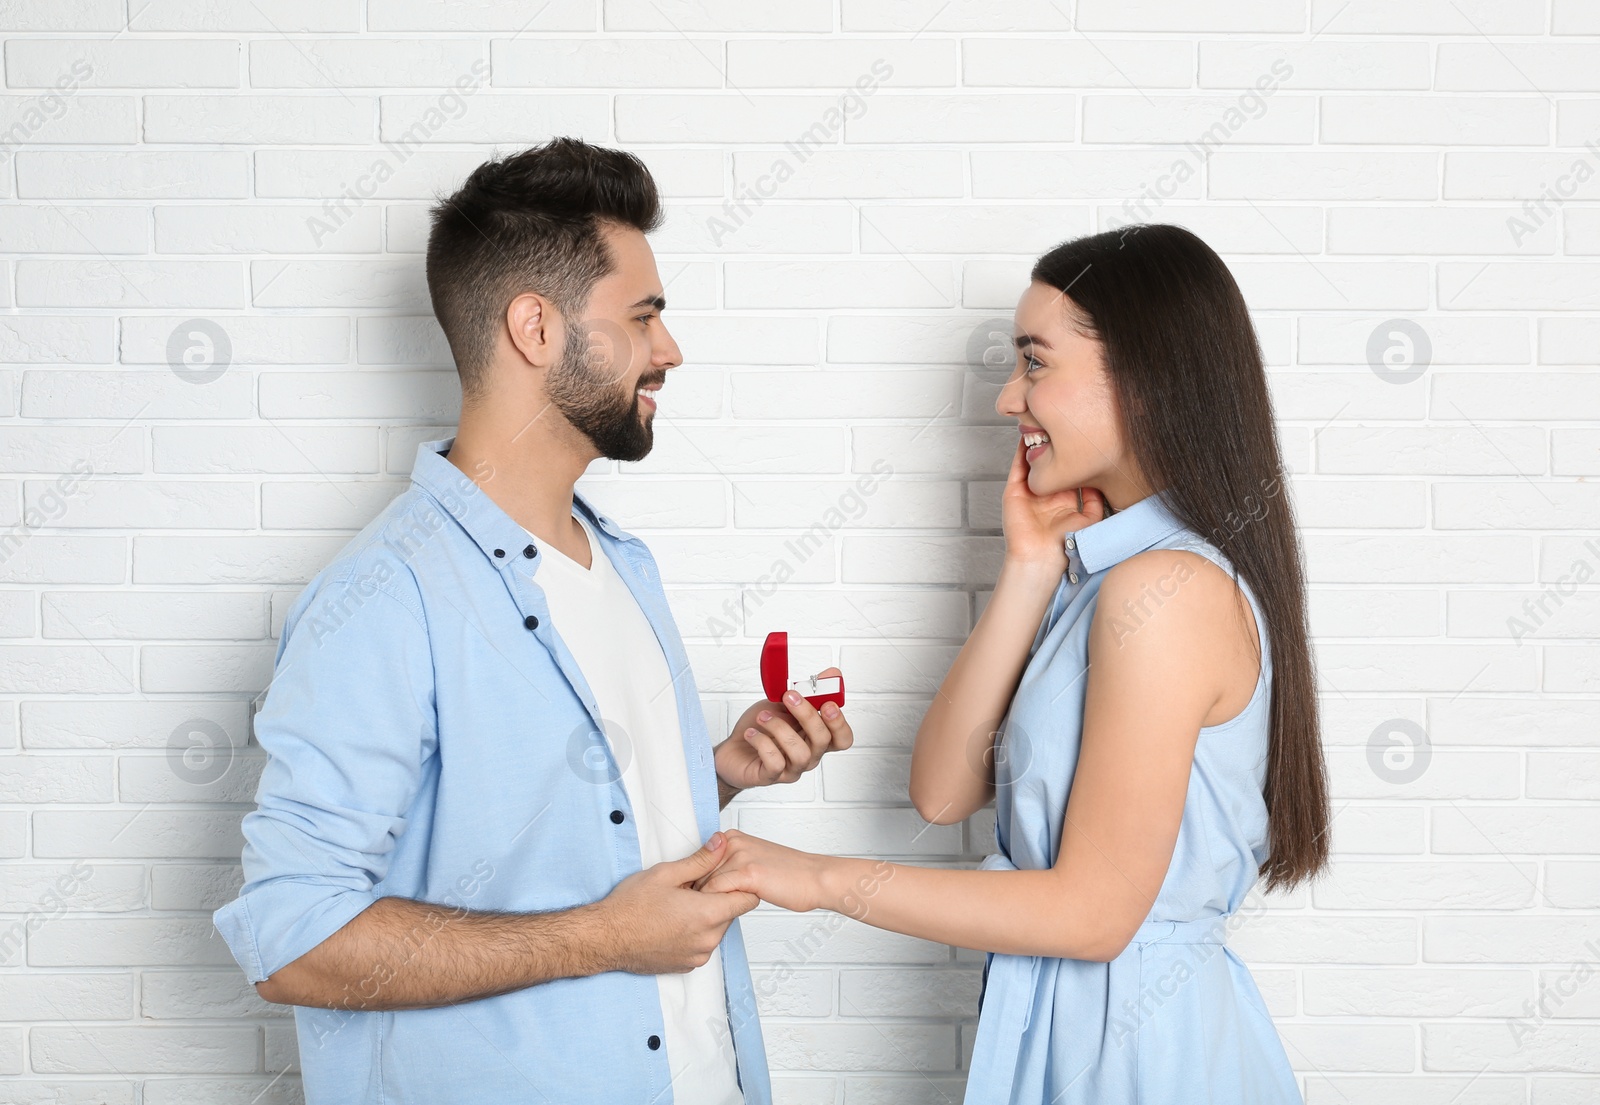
[[1036, 525], [656, 922], [670, 918], [778, 742], [785, 877]]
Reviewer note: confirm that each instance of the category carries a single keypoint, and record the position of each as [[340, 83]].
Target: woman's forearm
[[951, 766], [1012, 912]]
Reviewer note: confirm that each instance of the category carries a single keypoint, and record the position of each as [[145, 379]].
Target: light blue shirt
[[1176, 1017], [429, 736]]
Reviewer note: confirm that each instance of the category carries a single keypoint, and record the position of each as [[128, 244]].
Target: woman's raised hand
[[1036, 525]]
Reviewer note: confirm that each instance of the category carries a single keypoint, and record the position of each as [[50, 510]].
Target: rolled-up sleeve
[[348, 724]]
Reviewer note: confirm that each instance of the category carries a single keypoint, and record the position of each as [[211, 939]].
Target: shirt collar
[[1130, 530], [502, 540]]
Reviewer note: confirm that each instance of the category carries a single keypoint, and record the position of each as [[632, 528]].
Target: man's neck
[[527, 469]]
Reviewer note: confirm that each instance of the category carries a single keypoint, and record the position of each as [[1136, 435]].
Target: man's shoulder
[[389, 556]]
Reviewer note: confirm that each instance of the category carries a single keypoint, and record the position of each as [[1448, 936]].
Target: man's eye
[[646, 317]]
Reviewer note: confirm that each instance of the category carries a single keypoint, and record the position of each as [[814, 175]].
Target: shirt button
[[499, 552], [1072, 577], [529, 552], [653, 1043], [1071, 544], [616, 817], [531, 622]]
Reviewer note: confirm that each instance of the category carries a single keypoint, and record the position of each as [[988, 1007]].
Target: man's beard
[[584, 387]]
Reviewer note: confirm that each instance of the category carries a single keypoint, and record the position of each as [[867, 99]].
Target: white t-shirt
[[617, 651]]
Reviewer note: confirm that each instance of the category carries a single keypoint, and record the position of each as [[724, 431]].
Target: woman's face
[[1060, 389]]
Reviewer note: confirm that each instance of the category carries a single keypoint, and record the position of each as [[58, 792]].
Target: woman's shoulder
[[1167, 623], [1185, 582], [1185, 546], [1176, 561]]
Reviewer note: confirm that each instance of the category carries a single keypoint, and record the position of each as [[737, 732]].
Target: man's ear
[[535, 328]]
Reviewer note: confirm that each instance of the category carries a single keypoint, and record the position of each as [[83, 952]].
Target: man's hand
[[658, 924], [778, 742]]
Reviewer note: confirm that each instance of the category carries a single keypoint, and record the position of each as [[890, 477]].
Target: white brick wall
[[266, 168]]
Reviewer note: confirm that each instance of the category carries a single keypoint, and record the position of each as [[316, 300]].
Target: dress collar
[[1130, 530], [502, 540]]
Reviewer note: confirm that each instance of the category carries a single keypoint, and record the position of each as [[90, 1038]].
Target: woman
[[1151, 747]]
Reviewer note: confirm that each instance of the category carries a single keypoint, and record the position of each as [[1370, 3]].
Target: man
[[489, 785]]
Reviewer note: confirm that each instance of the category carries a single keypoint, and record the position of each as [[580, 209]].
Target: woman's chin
[[1041, 482]]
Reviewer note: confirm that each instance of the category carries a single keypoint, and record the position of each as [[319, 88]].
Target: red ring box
[[775, 676]]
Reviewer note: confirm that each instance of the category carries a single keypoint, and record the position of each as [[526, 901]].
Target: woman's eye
[[1031, 363]]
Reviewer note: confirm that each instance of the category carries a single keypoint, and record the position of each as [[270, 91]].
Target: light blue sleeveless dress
[[1176, 1019]]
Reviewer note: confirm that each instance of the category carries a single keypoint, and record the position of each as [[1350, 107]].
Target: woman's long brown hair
[[1187, 370]]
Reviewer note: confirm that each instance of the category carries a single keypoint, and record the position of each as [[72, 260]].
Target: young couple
[[485, 863]]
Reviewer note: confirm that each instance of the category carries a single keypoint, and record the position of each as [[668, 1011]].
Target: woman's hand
[[1035, 525], [783, 876]]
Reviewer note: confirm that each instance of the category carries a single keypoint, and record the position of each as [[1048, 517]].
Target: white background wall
[[1382, 185]]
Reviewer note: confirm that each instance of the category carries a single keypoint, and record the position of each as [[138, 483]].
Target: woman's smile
[[1036, 440]]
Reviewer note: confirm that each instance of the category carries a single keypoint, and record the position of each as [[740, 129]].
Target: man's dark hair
[[529, 222]]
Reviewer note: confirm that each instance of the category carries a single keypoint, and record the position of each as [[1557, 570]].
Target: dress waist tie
[[1011, 981]]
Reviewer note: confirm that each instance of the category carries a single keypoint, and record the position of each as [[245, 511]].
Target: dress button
[[616, 817], [531, 622], [653, 1043], [499, 552], [529, 552]]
